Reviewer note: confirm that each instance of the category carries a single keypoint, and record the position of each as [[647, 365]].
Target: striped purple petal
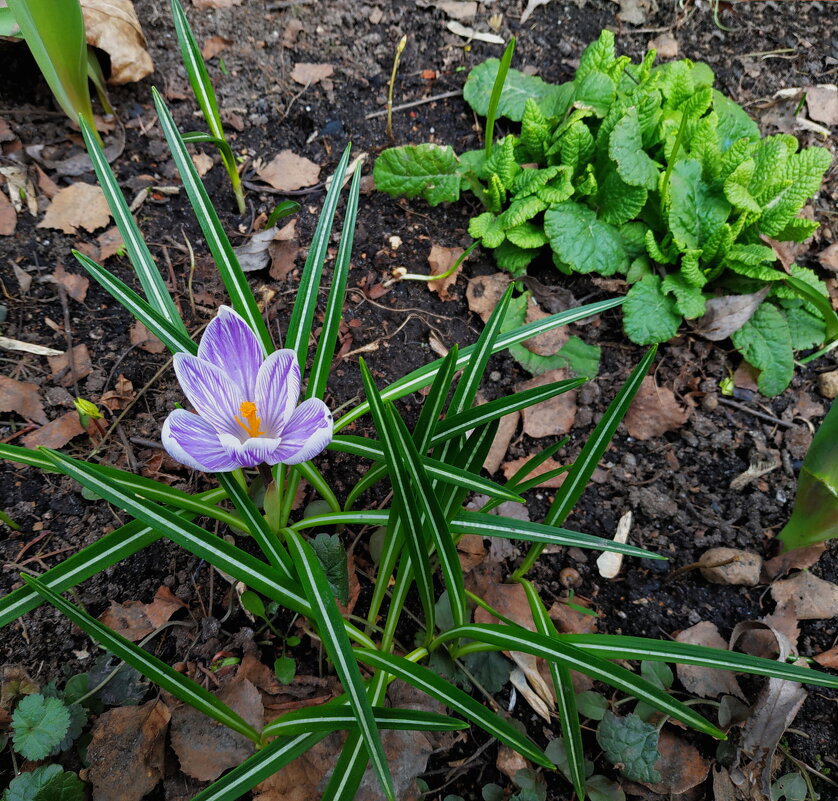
[[231, 345], [215, 396], [307, 432], [277, 390], [251, 452], [193, 442]]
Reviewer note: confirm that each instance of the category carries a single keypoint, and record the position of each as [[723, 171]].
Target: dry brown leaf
[[79, 205], [635, 12], [680, 765], [120, 396], [213, 46], [8, 216], [706, 682], [609, 563], [144, 339], [110, 243], [205, 747], [813, 598], [509, 762], [305, 73], [500, 444], [202, 161], [797, 559], [301, 780], [571, 621], [287, 171], [6, 132], [666, 46], [46, 184], [22, 398], [552, 417], [63, 375], [746, 376], [55, 434], [112, 26], [727, 314], [828, 659], [253, 253], [822, 103], [128, 619], [283, 259], [20, 188], [24, 280], [292, 30], [484, 291], [510, 468], [829, 257], [654, 411], [441, 260], [74, 285], [471, 551], [164, 605], [550, 342], [127, 751]]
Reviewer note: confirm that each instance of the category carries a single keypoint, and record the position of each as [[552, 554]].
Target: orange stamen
[[251, 422]]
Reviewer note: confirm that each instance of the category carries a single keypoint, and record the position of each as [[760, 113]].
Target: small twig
[[414, 103], [762, 415], [68, 334]]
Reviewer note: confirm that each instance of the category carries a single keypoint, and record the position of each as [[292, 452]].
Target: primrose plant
[[245, 392], [646, 173]]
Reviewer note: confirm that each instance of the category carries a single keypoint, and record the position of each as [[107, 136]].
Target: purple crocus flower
[[246, 404]]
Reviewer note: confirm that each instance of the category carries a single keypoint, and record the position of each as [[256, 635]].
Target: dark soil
[[677, 485]]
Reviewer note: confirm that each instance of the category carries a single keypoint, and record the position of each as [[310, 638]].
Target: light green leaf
[[765, 342], [581, 357], [734, 122], [649, 315], [596, 91], [598, 55], [534, 130], [527, 235], [584, 242], [39, 725], [806, 329], [630, 742], [502, 162], [625, 146], [696, 210], [690, 300], [736, 188], [576, 145], [488, 228], [45, 783], [517, 89], [513, 259], [427, 170]]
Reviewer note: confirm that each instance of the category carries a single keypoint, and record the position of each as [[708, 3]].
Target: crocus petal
[[192, 441], [229, 343], [251, 452], [277, 390], [215, 397], [306, 434]]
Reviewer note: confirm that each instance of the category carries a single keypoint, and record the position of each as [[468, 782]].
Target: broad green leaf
[[598, 55], [649, 315], [806, 329], [596, 91], [429, 171], [689, 300], [791, 787], [39, 725], [736, 188], [632, 744], [804, 172], [765, 342], [517, 89], [734, 122], [527, 235], [46, 783], [600, 788], [502, 162], [584, 242], [166, 677], [696, 209], [617, 201], [513, 259], [625, 146], [592, 705], [806, 285], [332, 557], [582, 358], [488, 228]]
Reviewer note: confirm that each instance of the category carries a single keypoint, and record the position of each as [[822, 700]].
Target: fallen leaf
[[63, 375], [20, 188], [202, 161], [703, 681], [512, 467], [110, 243], [550, 342], [521, 682], [796, 559], [509, 762], [828, 659], [654, 411], [253, 254], [822, 103], [553, 417], [292, 30], [441, 260], [532, 5], [22, 398], [813, 597], [680, 765], [55, 434], [553, 299], [829, 257], [74, 285], [283, 259], [746, 376], [128, 619], [301, 779], [609, 563], [455, 9], [112, 26], [46, 184], [6, 132], [469, 33], [8, 216], [24, 280], [761, 464], [127, 752], [500, 444], [288, 171], [120, 396], [144, 339], [205, 747], [666, 46], [571, 621], [213, 46], [306, 73], [484, 291], [727, 314], [471, 551], [79, 205]]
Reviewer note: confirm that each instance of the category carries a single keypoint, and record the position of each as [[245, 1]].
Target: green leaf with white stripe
[[424, 375], [326, 343], [565, 695], [515, 638], [219, 245], [164, 676], [463, 704], [302, 315], [139, 255], [169, 334], [333, 635]]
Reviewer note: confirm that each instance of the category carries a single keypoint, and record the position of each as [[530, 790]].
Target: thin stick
[[399, 50], [762, 415], [414, 103]]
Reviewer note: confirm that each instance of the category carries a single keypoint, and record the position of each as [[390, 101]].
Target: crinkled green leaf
[[429, 171], [696, 209], [502, 162], [529, 181], [736, 188], [598, 55], [806, 329], [488, 228], [39, 725], [527, 235], [630, 742], [331, 554], [689, 299], [798, 229], [558, 190], [649, 315], [514, 259], [595, 91], [576, 145], [765, 342], [584, 242], [535, 130], [618, 202], [770, 157], [581, 357], [625, 146], [521, 210], [517, 89]]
